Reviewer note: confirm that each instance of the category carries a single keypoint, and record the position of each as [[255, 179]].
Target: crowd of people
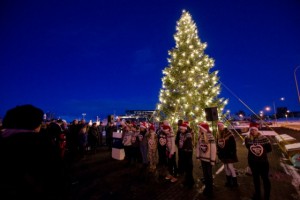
[[45, 149], [164, 148]]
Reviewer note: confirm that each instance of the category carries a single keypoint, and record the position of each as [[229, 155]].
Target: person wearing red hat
[[143, 143], [206, 152], [258, 147], [161, 146], [171, 153], [127, 135], [152, 148], [226, 148], [185, 146], [180, 152]]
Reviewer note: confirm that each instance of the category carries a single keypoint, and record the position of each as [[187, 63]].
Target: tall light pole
[[83, 115], [297, 82], [275, 109]]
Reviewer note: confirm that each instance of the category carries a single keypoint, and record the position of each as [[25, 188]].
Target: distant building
[[140, 113]]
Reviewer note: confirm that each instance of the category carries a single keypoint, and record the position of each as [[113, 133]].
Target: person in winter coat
[[226, 151], [143, 143], [93, 137], [136, 153], [109, 129], [128, 133], [31, 167], [162, 142], [152, 148], [170, 153], [258, 147], [180, 152], [206, 152], [185, 145], [83, 140]]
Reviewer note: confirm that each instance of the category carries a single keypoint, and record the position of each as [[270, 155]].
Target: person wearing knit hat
[[171, 153], [253, 125], [151, 127], [143, 125], [128, 134], [166, 128], [143, 144], [206, 152], [185, 154], [182, 128], [152, 149], [161, 146], [226, 148], [180, 153], [258, 147]]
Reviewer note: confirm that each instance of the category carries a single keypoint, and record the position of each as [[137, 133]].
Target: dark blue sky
[[102, 57]]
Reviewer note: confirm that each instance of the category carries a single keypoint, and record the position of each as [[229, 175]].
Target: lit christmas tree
[[188, 86]]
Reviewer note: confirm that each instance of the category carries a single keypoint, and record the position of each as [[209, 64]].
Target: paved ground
[[100, 176]]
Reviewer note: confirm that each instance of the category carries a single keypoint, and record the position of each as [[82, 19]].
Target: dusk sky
[[103, 57]]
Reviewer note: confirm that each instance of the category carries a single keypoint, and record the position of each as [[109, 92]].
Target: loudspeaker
[[211, 114], [110, 118]]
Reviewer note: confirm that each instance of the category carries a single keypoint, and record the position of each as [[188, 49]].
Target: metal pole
[[275, 112], [297, 83]]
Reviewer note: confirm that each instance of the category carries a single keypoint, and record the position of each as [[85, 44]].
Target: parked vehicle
[[263, 123], [239, 126]]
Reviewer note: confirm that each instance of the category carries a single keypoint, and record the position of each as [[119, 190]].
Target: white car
[[239, 126]]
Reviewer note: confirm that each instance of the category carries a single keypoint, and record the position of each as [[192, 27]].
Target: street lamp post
[[275, 112], [297, 82], [228, 112]]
